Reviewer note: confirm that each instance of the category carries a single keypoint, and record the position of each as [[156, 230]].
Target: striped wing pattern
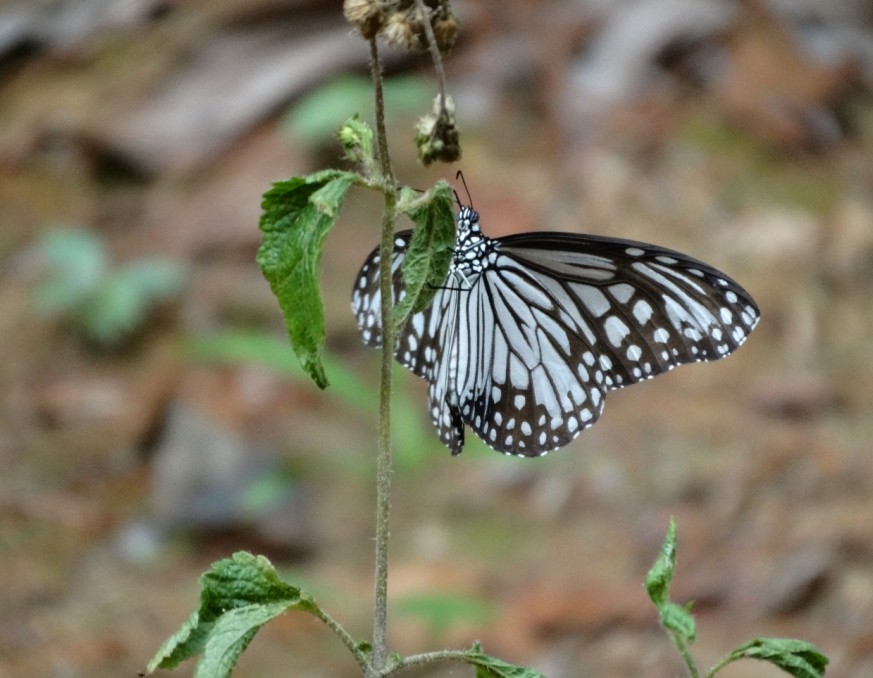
[[531, 330]]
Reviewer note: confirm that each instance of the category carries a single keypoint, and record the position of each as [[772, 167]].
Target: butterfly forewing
[[530, 331], [647, 308]]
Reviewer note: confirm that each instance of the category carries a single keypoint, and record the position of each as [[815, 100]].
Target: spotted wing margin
[[643, 309], [414, 351]]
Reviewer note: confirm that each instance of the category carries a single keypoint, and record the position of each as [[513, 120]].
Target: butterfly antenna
[[460, 175]]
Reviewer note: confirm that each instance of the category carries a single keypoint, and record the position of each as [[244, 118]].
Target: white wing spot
[[622, 292], [616, 330], [642, 311], [634, 252]]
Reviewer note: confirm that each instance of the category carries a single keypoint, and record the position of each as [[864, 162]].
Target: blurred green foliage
[[752, 169], [442, 610], [108, 303], [414, 437], [317, 116]]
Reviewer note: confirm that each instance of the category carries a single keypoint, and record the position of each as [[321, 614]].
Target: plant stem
[[686, 655], [344, 636], [728, 659], [434, 51], [428, 658], [383, 457]]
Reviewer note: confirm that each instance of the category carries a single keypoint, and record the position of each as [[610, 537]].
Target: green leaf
[[230, 636], [187, 642], [239, 595], [487, 666], [660, 577], [297, 215], [679, 620], [430, 251], [796, 657]]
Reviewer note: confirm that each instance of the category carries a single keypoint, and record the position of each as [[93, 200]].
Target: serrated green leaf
[[296, 217], [796, 657], [679, 620], [487, 666], [238, 595], [231, 634], [430, 251], [245, 579], [188, 641], [660, 577]]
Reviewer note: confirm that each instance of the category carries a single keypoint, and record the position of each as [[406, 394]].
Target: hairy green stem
[[428, 658], [348, 641], [727, 659], [383, 458], [686, 655]]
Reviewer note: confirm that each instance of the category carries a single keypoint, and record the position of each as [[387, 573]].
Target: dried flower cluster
[[436, 134], [399, 22]]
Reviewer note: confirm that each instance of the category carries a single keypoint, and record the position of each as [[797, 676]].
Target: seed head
[[366, 15]]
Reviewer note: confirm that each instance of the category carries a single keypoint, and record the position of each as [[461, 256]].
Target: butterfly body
[[530, 331]]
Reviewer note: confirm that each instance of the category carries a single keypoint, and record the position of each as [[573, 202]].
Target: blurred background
[[153, 418]]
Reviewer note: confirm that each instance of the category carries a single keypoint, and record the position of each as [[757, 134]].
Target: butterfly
[[529, 331]]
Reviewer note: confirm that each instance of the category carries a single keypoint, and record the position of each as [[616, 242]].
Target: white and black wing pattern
[[531, 330]]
